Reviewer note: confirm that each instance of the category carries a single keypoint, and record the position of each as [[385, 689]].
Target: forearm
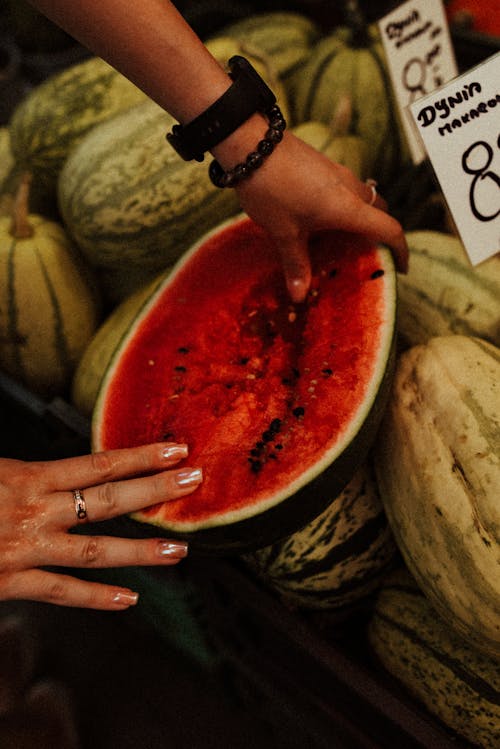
[[150, 43]]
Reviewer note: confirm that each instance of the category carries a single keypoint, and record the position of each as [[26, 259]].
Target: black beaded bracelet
[[255, 159]]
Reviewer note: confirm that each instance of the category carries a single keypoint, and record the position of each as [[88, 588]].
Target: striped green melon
[[443, 293], [132, 204], [438, 471], [97, 354], [285, 37], [278, 403], [336, 69], [338, 559], [457, 683], [48, 305], [54, 115]]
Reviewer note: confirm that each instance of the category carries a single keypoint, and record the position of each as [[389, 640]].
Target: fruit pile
[[103, 235]]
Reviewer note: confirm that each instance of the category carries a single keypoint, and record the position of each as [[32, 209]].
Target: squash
[[49, 305], [437, 463]]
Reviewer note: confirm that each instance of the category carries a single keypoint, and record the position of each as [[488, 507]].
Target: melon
[[341, 66], [49, 304], [438, 471], [132, 204], [279, 403], [337, 560], [442, 293], [456, 682], [285, 37], [54, 116]]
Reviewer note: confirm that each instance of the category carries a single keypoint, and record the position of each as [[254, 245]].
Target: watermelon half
[[278, 402]]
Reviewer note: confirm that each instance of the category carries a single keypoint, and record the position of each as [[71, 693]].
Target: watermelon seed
[[169, 436], [180, 368], [278, 446], [244, 360], [298, 412], [275, 425], [255, 465], [327, 372], [377, 273], [183, 350], [332, 273]]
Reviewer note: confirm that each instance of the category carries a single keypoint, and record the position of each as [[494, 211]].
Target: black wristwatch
[[247, 94]]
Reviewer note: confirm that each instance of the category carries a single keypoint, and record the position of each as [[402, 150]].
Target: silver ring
[[80, 505], [372, 184]]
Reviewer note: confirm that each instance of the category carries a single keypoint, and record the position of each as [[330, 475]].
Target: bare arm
[[296, 192]]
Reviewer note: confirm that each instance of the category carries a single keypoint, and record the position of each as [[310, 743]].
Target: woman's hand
[[298, 191], [38, 507]]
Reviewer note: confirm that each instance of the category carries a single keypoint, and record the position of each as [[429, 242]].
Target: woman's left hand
[[39, 504]]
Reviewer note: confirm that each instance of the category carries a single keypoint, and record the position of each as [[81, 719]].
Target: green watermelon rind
[[305, 498]]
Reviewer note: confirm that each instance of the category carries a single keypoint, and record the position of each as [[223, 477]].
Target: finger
[[64, 590], [296, 266], [380, 227], [358, 217], [114, 498], [88, 470], [372, 196], [99, 552]]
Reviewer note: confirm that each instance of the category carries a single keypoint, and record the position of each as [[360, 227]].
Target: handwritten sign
[[420, 57], [460, 129]]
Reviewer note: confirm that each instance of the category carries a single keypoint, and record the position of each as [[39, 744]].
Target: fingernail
[[297, 288], [188, 477], [175, 452], [126, 598], [172, 549]]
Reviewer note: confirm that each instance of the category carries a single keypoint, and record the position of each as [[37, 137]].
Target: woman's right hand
[[38, 507]]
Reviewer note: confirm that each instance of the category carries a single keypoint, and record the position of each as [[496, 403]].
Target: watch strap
[[247, 94]]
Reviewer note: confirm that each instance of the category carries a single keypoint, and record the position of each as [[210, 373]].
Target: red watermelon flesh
[[266, 393]]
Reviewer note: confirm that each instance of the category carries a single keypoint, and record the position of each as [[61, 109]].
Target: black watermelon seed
[[183, 350], [296, 372], [180, 368], [259, 445], [244, 360], [298, 411], [377, 273], [327, 371], [332, 273], [267, 436], [169, 436], [275, 425], [278, 446]]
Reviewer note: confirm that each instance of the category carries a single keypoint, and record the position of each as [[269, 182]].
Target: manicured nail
[[175, 452], [188, 477], [172, 549], [126, 598]]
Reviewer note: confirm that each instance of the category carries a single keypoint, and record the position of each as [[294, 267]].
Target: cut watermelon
[[279, 403]]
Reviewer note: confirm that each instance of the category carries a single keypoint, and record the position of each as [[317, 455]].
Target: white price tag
[[420, 57], [460, 128]]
